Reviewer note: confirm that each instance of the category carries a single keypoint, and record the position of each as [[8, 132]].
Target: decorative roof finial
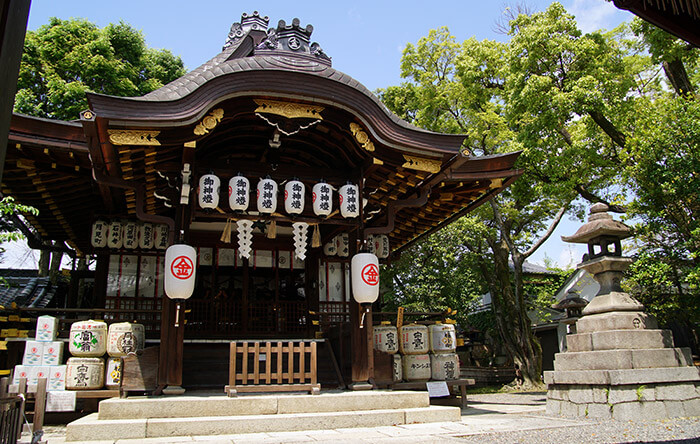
[[247, 24]]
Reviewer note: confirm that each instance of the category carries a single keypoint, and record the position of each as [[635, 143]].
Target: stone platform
[[162, 417]]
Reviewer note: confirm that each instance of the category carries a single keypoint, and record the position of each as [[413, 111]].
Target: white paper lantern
[[209, 191], [364, 268], [131, 235], [329, 249], [180, 267], [267, 196], [348, 195], [146, 235], [381, 246], [238, 193], [161, 236], [294, 197], [322, 197], [116, 234], [100, 231], [371, 245], [342, 244]]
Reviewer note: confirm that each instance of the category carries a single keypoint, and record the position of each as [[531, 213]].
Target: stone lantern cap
[[599, 224], [572, 301]]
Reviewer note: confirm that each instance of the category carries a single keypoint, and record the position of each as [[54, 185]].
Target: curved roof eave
[[275, 76]]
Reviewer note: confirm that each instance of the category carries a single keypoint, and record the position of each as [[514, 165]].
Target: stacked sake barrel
[[425, 352], [89, 341]]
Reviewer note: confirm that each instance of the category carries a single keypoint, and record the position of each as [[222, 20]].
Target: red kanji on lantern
[[182, 267], [370, 274]]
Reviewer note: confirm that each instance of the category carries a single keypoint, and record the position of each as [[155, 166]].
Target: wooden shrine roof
[[678, 17], [269, 104]]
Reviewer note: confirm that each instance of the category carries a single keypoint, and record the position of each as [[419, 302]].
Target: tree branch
[[592, 198], [608, 127], [502, 227], [549, 232]]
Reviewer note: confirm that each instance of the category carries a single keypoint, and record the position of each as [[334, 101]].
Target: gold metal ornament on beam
[[422, 164], [209, 122], [289, 110], [133, 137], [361, 137]]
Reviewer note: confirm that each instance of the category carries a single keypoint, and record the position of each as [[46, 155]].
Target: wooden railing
[[11, 409], [272, 367]]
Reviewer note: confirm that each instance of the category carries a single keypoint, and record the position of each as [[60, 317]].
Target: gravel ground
[[678, 430]]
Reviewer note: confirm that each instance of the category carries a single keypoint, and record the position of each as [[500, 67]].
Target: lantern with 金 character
[[348, 195], [322, 197], [100, 231], [115, 238], [131, 235], [294, 197], [161, 236], [238, 193], [209, 191], [364, 268], [180, 266], [267, 196], [146, 236]]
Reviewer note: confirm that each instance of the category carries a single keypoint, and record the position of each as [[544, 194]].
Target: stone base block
[[623, 359], [619, 340], [623, 377], [625, 402], [630, 320]]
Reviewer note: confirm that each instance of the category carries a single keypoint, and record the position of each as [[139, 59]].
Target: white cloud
[[592, 15]]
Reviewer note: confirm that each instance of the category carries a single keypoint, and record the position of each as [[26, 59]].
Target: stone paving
[[497, 418]]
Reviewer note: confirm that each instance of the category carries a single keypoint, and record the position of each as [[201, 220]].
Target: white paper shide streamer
[[245, 237], [300, 233]]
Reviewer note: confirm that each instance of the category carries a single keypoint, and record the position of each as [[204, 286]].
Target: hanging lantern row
[[130, 235], [378, 244], [338, 246], [267, 192]]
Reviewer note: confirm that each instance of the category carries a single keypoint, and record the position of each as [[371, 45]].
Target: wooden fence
[[272, 367], [11, 409]]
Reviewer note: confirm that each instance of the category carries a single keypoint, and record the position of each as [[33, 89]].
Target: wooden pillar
[[172, 324], [360, 340]]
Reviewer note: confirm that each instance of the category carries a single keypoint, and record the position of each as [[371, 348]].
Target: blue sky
[[364, 39]]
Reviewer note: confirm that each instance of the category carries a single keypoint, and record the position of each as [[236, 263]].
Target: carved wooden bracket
[[289, 110], [361, 137], [133, 137], [422, 164], [209, 122]]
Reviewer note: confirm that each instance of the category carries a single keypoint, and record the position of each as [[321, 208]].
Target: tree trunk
[[44, 261], [510, 311], [678, 76], [55, 269]]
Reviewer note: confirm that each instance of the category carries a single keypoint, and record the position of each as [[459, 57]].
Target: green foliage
[[8, 207], [67, 58]]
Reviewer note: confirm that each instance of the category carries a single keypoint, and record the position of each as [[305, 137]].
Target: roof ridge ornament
[[247, 24], [292, 38]]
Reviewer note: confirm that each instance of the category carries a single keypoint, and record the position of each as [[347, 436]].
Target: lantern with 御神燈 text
[[180, 266], [100, 231], [209, 191], [322, 197], [238, 193], [348, 195], [294, 197], [267, 196]]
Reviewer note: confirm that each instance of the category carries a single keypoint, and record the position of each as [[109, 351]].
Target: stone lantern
[[618, 364], [572, 306]]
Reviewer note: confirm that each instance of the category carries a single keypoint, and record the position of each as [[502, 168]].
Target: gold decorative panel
[[209, 122], [361, 137], [289, 110], [422, 164], [133, 137]]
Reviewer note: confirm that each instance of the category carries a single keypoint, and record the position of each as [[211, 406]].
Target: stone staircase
[[162, 417]]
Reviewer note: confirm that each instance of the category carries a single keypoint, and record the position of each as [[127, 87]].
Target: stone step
[[623, 359], [194, 406], [91, 428], [619, 339]]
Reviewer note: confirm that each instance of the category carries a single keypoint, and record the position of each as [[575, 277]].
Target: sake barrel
[[386, 338], [416, 367], [397, 368], [88, 338], [125, 338], [85, 374], [113, 375], [443, 338], [414, 339], [444, 366]]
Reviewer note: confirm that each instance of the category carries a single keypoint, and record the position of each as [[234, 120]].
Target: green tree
[[67, 58], [564, 99], [8, 231]]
